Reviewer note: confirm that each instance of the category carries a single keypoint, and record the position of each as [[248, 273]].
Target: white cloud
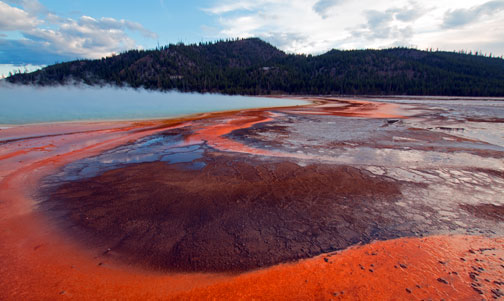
[[13, 18], [85, 37], [231, 6], [80, 40], [481, 36], [113, 24], [33, 7], [315, 26], [323, 7], [462, 16], [88, 37]]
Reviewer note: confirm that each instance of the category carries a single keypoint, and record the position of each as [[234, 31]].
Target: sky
[[35, 33]]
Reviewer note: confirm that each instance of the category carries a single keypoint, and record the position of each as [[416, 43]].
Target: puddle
[[167, 147]]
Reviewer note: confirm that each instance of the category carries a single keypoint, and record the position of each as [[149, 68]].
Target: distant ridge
[[252, 66]]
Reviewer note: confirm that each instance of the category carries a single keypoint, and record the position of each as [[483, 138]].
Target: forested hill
[[252, 66]]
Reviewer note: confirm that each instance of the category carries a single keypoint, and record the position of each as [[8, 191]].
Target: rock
[[497, 293], [473, 275], [442, 280]]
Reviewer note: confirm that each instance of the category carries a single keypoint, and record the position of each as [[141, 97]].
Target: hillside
[[252, 66]]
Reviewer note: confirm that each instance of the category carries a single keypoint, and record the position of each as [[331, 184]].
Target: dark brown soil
[[233, 215]]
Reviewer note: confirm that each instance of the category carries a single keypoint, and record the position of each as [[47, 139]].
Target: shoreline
[[138, 106], [310, 99], [128, 122], [33, 247]]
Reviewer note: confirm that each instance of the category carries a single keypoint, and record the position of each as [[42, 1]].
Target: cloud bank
[[315, 26], [462, 17], [47, 37], [32, 34]]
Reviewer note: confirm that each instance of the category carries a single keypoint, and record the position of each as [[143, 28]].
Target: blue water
[[26, 104], [165, 147]]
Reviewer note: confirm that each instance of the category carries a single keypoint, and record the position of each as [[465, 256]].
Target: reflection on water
[[163, 147], [479, 118], [25, 104]]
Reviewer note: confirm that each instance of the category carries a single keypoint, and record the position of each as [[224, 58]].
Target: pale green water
[[25, 104]]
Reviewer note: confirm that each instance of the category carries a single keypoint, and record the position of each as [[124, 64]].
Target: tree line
[[252, 67]]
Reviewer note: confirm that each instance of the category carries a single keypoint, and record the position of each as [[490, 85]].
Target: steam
[[24, 104]]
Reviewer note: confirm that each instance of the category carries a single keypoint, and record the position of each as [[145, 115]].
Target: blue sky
[[41, 32], [173, 21]]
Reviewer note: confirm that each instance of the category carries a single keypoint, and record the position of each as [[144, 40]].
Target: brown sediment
[[493, 120], [351, 108], [40, 262], [233, 215], [493, 172], [36, 258], [401, 269], [25, 151], [439, 267], [214, 134], [486, 211]]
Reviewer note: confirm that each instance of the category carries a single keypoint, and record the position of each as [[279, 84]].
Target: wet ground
[[258, 188], [231, 215]]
